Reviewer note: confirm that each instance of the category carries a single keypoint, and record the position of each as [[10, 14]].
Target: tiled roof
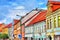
[[8, 26], [29, 15], [16, 21], [39, 18], [1, 25], [55, 5]]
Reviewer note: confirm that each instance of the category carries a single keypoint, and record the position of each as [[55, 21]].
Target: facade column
[[52, 37], [56, 21], [52, 22]]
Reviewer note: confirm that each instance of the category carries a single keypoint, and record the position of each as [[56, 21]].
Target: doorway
[[50, 38]]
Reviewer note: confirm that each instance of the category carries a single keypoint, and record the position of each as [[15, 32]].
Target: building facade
[[1, 28], [26, 18], [10, 31], [35, 29], [53, 20], [29, 32], [17, 29]]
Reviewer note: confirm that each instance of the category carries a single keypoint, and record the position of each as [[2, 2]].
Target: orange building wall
[[23, 32], [1, 27], [16, 32]]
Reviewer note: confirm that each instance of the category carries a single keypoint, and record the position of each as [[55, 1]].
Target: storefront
[[29, 37], [44, 36], [57, 36]]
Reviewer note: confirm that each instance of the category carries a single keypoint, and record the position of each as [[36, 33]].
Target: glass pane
[[50, 23], [47, 24]]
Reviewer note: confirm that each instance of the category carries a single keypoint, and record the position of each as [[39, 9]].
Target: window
[[44, 28], [55, 22], [58, 21], [31, 29], [47, 24], [41, 28], [50, 23]]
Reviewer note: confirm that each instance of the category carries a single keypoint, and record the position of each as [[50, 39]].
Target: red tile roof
[[39, 18], [1, 25], [55, 5], [16, 21], [8, 26]]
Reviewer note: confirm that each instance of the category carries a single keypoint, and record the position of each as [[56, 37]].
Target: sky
[[10, 8]]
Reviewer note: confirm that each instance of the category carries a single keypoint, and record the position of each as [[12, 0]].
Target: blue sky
[[10, 8]]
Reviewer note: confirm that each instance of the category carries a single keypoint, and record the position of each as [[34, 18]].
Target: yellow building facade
[[4, 29], [53, 21]]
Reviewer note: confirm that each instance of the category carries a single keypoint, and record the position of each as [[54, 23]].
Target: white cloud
[[45, 8], [18, 10], [12, 13], [41, 3], [19, 7]]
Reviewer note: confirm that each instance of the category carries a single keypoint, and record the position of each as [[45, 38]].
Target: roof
[[8, 26], [39, 18], [55, 5], [16, 21], [29, 16], [1, 25]]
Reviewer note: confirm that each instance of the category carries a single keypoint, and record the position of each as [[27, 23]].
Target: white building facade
[[36, 31]]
